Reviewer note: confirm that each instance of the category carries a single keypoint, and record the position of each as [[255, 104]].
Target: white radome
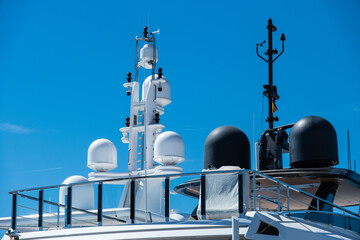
[[163, 98], [169, 148], [82, 195], [147, 56], [102, 155]]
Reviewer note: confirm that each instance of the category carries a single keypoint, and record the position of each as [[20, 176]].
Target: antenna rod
[[348, 150], [270, 27], [270, 89]]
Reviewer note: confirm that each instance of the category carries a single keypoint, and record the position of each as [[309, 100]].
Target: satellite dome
[[147, 56], [163, 97], [227, 146], [169, 148], [313, 143], [82, 195], [102, 155]]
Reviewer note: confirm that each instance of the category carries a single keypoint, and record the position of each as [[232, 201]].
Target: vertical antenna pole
[[137, 60], [154, 60], [270, 90], [348, 150], [354, 166], [270, 27]]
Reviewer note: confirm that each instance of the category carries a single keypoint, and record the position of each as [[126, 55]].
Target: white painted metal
[[294, 229], [220, 230], [150, 109], [133, 130], [235, 228], [257, 160], [152, 101], [289, 228]]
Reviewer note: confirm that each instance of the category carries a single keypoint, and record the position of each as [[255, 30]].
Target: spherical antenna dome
[[102, 155], [82, 195], [227, 146], [169, 148], [163, 97], [147, 56], [313, 143]]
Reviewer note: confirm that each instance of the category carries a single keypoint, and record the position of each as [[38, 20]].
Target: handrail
[[75, 208], [252, 173], [330, 219], [188, 174], [308, 194], [130, 178]]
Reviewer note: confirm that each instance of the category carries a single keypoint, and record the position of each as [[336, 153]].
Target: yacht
[[227, 199]]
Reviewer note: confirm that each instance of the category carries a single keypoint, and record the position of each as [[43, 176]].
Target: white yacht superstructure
[[226, 200]]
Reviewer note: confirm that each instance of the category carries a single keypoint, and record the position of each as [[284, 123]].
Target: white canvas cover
[[222, 195]]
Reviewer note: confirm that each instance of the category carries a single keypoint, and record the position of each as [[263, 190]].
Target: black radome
[[313, 143], [227, 146]]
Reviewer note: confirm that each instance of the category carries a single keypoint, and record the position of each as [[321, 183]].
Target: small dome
[[227, 146], [313, 143], [82, 195], [163, 97], [102, 155], [169, 148], [147, 56]]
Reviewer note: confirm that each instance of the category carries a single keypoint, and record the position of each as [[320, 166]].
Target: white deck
[[203, 229]]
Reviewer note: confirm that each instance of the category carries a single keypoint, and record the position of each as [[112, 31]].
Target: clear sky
[[63, 63]]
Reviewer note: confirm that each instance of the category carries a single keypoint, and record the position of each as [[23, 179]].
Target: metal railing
[[278, 195]]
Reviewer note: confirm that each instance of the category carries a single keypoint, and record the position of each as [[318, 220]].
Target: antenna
[[348, 150], [354, 166], [270, 89], [274, 141], [142, 125]]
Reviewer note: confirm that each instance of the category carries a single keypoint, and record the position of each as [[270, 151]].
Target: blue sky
[[63, 63]]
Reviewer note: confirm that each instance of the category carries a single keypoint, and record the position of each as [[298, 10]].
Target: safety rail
[[330, 218], [280, 198]]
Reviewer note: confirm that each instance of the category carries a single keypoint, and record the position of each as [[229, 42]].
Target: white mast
[[142, 126]]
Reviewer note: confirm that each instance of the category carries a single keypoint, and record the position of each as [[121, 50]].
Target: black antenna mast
[[348, 150], [274, 141], [270, 89]]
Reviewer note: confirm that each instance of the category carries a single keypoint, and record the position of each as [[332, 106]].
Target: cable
[[262, 114]]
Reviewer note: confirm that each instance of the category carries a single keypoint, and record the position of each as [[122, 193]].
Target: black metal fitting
[[145, 33], [127, 122], [129, 77], [282, 38], [160, 74], [157, 117]]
